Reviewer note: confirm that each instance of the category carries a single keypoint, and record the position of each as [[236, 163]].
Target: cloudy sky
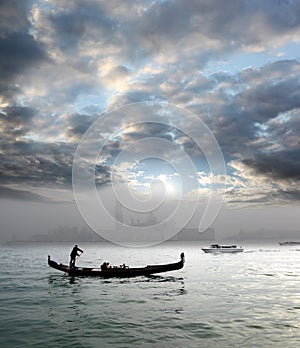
[[63, 64]]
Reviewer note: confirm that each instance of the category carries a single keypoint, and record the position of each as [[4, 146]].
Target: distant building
[[119, 212], [68, 234], [265, 235], [150, 221]]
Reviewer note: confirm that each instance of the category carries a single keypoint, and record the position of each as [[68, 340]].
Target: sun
[[170, 189]]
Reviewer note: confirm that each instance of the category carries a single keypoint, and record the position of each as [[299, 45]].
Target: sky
[[160, 84]]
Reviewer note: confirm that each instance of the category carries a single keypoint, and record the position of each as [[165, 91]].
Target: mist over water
[[251, 299]]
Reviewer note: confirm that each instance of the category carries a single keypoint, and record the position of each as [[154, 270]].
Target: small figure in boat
[[105, 265], [73, 255]]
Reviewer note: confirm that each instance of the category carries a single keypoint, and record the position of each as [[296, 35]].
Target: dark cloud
[[8, 92], [73, 126], [15, 121], [25, 161], [18, 52], [42, 165], [194, 31], [243, 113], [286, 195], [269, 99], [275, 71], [36, 164], [138, 131], [78, 23], [148, 129], [78, 126], [23, 195], [102, 175], [182, 143], [280, 165], [200, 83], [199, 31], [13, 16], [279, 196], [281, 16]]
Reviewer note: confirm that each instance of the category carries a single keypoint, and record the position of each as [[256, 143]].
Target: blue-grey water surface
[[251, 299]]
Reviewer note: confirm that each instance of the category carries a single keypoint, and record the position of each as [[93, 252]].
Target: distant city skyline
[[68, 233]]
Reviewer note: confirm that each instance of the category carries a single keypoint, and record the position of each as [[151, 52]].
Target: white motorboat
[[217, 248]]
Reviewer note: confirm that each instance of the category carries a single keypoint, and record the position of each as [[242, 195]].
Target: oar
[[76, 258]]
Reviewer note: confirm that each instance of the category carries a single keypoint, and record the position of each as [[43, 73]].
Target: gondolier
[[73, 255]]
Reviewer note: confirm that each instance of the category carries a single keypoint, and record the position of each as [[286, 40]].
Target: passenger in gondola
[[74, 254], [104, 266]]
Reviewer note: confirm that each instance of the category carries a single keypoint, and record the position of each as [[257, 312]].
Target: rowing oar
[[77, 258]]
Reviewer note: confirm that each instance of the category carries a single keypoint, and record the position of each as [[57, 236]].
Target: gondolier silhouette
[[73, 255]]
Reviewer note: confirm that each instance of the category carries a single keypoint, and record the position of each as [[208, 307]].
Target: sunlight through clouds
[[65, 64]]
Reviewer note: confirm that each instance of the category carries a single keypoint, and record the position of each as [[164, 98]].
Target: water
[[250, 299]]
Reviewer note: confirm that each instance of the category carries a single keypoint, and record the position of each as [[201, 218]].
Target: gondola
[[122, 271]]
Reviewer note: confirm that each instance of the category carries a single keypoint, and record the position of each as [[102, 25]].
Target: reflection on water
[[107, 304], [65, 278], [161, 278]]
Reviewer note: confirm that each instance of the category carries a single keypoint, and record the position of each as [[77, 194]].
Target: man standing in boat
[[73, 255]]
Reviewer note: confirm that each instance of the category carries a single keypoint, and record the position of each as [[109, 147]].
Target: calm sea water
[[250, 299]]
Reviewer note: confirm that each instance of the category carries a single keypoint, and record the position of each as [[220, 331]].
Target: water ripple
[[249, 300]]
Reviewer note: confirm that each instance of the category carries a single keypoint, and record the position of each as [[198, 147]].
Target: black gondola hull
[[119, 271]]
